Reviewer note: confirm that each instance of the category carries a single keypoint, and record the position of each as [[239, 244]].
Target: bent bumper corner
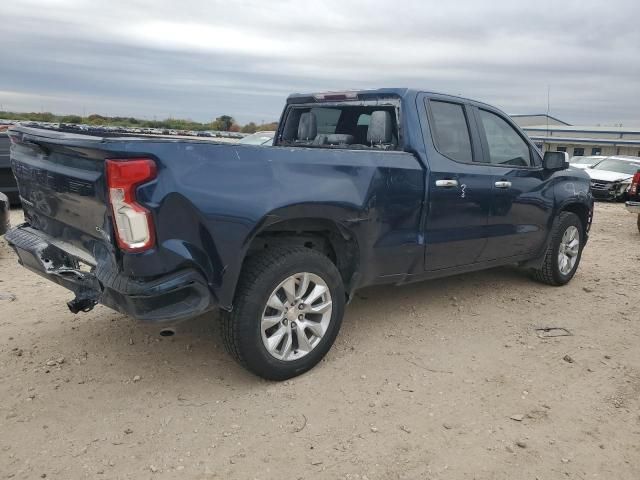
[[170, 298]]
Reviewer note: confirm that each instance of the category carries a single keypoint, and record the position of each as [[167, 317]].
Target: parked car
[[633, 205], [611, 177], [385, 186], [258, 138], [4, 214], [7, 181], [585, 162]]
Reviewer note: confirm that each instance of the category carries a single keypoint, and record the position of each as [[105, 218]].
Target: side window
[[364, 120], [450, 131], [506, 146]]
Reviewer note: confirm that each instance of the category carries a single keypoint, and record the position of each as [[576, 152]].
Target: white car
[[259, 138], [585, 162], [611, 177]]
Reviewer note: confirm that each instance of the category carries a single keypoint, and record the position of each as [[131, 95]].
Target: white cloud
[[202, 58]]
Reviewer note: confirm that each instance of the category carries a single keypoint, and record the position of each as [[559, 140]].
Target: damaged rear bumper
[[169, 298]]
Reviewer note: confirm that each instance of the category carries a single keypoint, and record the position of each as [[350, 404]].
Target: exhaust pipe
[[167, 332]]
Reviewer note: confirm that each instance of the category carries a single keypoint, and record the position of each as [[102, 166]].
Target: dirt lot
[[439, 380]]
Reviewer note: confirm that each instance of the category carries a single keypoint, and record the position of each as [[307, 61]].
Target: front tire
[[564, 251], [276, 284]]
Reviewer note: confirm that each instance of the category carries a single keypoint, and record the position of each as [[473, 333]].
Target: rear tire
[[261, 281], [639, 222], [555, 270]]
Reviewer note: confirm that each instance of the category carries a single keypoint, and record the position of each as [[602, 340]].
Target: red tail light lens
[[133, 223], [635, 184]]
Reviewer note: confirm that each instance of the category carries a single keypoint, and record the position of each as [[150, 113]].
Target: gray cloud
[[200, 59]]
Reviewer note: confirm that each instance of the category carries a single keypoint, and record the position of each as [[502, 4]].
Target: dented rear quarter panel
[[210, 200], [210, 204]]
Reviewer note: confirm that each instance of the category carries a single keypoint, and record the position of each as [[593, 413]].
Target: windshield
[[259, 138], [584, 160], [620, 166]]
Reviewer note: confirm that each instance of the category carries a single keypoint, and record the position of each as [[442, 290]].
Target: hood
[[606, 175]]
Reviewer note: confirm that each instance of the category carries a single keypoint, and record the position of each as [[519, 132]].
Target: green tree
[[223, 123], [71, 119], [250, 127]]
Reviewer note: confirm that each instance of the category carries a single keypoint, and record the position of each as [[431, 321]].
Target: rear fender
[[343, 220]]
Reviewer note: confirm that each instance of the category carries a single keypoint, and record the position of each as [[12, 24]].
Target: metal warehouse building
[[550, 133]]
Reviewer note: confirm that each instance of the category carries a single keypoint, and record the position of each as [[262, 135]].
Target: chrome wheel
[[568, 250], [296, 316]]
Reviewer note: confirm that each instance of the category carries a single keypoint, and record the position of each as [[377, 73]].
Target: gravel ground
[[438, 380]]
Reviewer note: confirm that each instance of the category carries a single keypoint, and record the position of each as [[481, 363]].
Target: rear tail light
[[635, 184], [133, 223]]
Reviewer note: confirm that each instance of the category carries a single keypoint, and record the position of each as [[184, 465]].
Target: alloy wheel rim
[[569, 249], [296, 316]]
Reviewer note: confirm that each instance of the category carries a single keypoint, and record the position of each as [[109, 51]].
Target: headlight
[[624, 186]]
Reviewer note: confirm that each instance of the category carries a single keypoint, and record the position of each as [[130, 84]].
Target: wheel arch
[[325, 235], [582, 211], [314, 226]]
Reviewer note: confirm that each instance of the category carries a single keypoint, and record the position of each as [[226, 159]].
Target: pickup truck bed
[[359, 189]]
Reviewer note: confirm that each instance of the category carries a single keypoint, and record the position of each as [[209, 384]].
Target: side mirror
[[555, 161]]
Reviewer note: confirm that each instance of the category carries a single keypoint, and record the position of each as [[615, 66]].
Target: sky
[[200, 59]]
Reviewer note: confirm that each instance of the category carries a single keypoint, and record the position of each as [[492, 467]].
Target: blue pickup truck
[[360, 188]]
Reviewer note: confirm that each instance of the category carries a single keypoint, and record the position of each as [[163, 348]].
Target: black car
[[8, 184], [4, 213]]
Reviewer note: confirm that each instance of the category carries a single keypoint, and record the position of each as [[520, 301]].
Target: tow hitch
[[82, 303]]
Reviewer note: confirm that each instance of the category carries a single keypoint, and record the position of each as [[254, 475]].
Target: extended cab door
[[459, 187], [522, 202]]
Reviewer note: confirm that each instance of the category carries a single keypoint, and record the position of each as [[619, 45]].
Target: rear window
[[327, 119], [354, 127]]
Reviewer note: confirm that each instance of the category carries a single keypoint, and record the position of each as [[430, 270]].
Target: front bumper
[[4, 214], [609, 190], [633, 207], [170, 298]]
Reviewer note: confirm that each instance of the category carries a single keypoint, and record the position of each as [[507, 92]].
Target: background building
[[550, 133]]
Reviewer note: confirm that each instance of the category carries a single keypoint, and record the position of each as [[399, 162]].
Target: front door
[[522, 202], [459, 188]]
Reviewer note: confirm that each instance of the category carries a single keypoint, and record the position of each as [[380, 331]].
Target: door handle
[[503, 184], [448, 183]]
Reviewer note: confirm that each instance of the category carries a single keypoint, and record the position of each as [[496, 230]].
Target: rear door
[[522, 202], [459, 187]]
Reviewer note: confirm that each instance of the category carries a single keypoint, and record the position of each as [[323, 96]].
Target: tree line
[[223, 123]]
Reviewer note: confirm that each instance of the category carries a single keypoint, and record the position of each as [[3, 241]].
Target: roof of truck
[[381, 92]]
